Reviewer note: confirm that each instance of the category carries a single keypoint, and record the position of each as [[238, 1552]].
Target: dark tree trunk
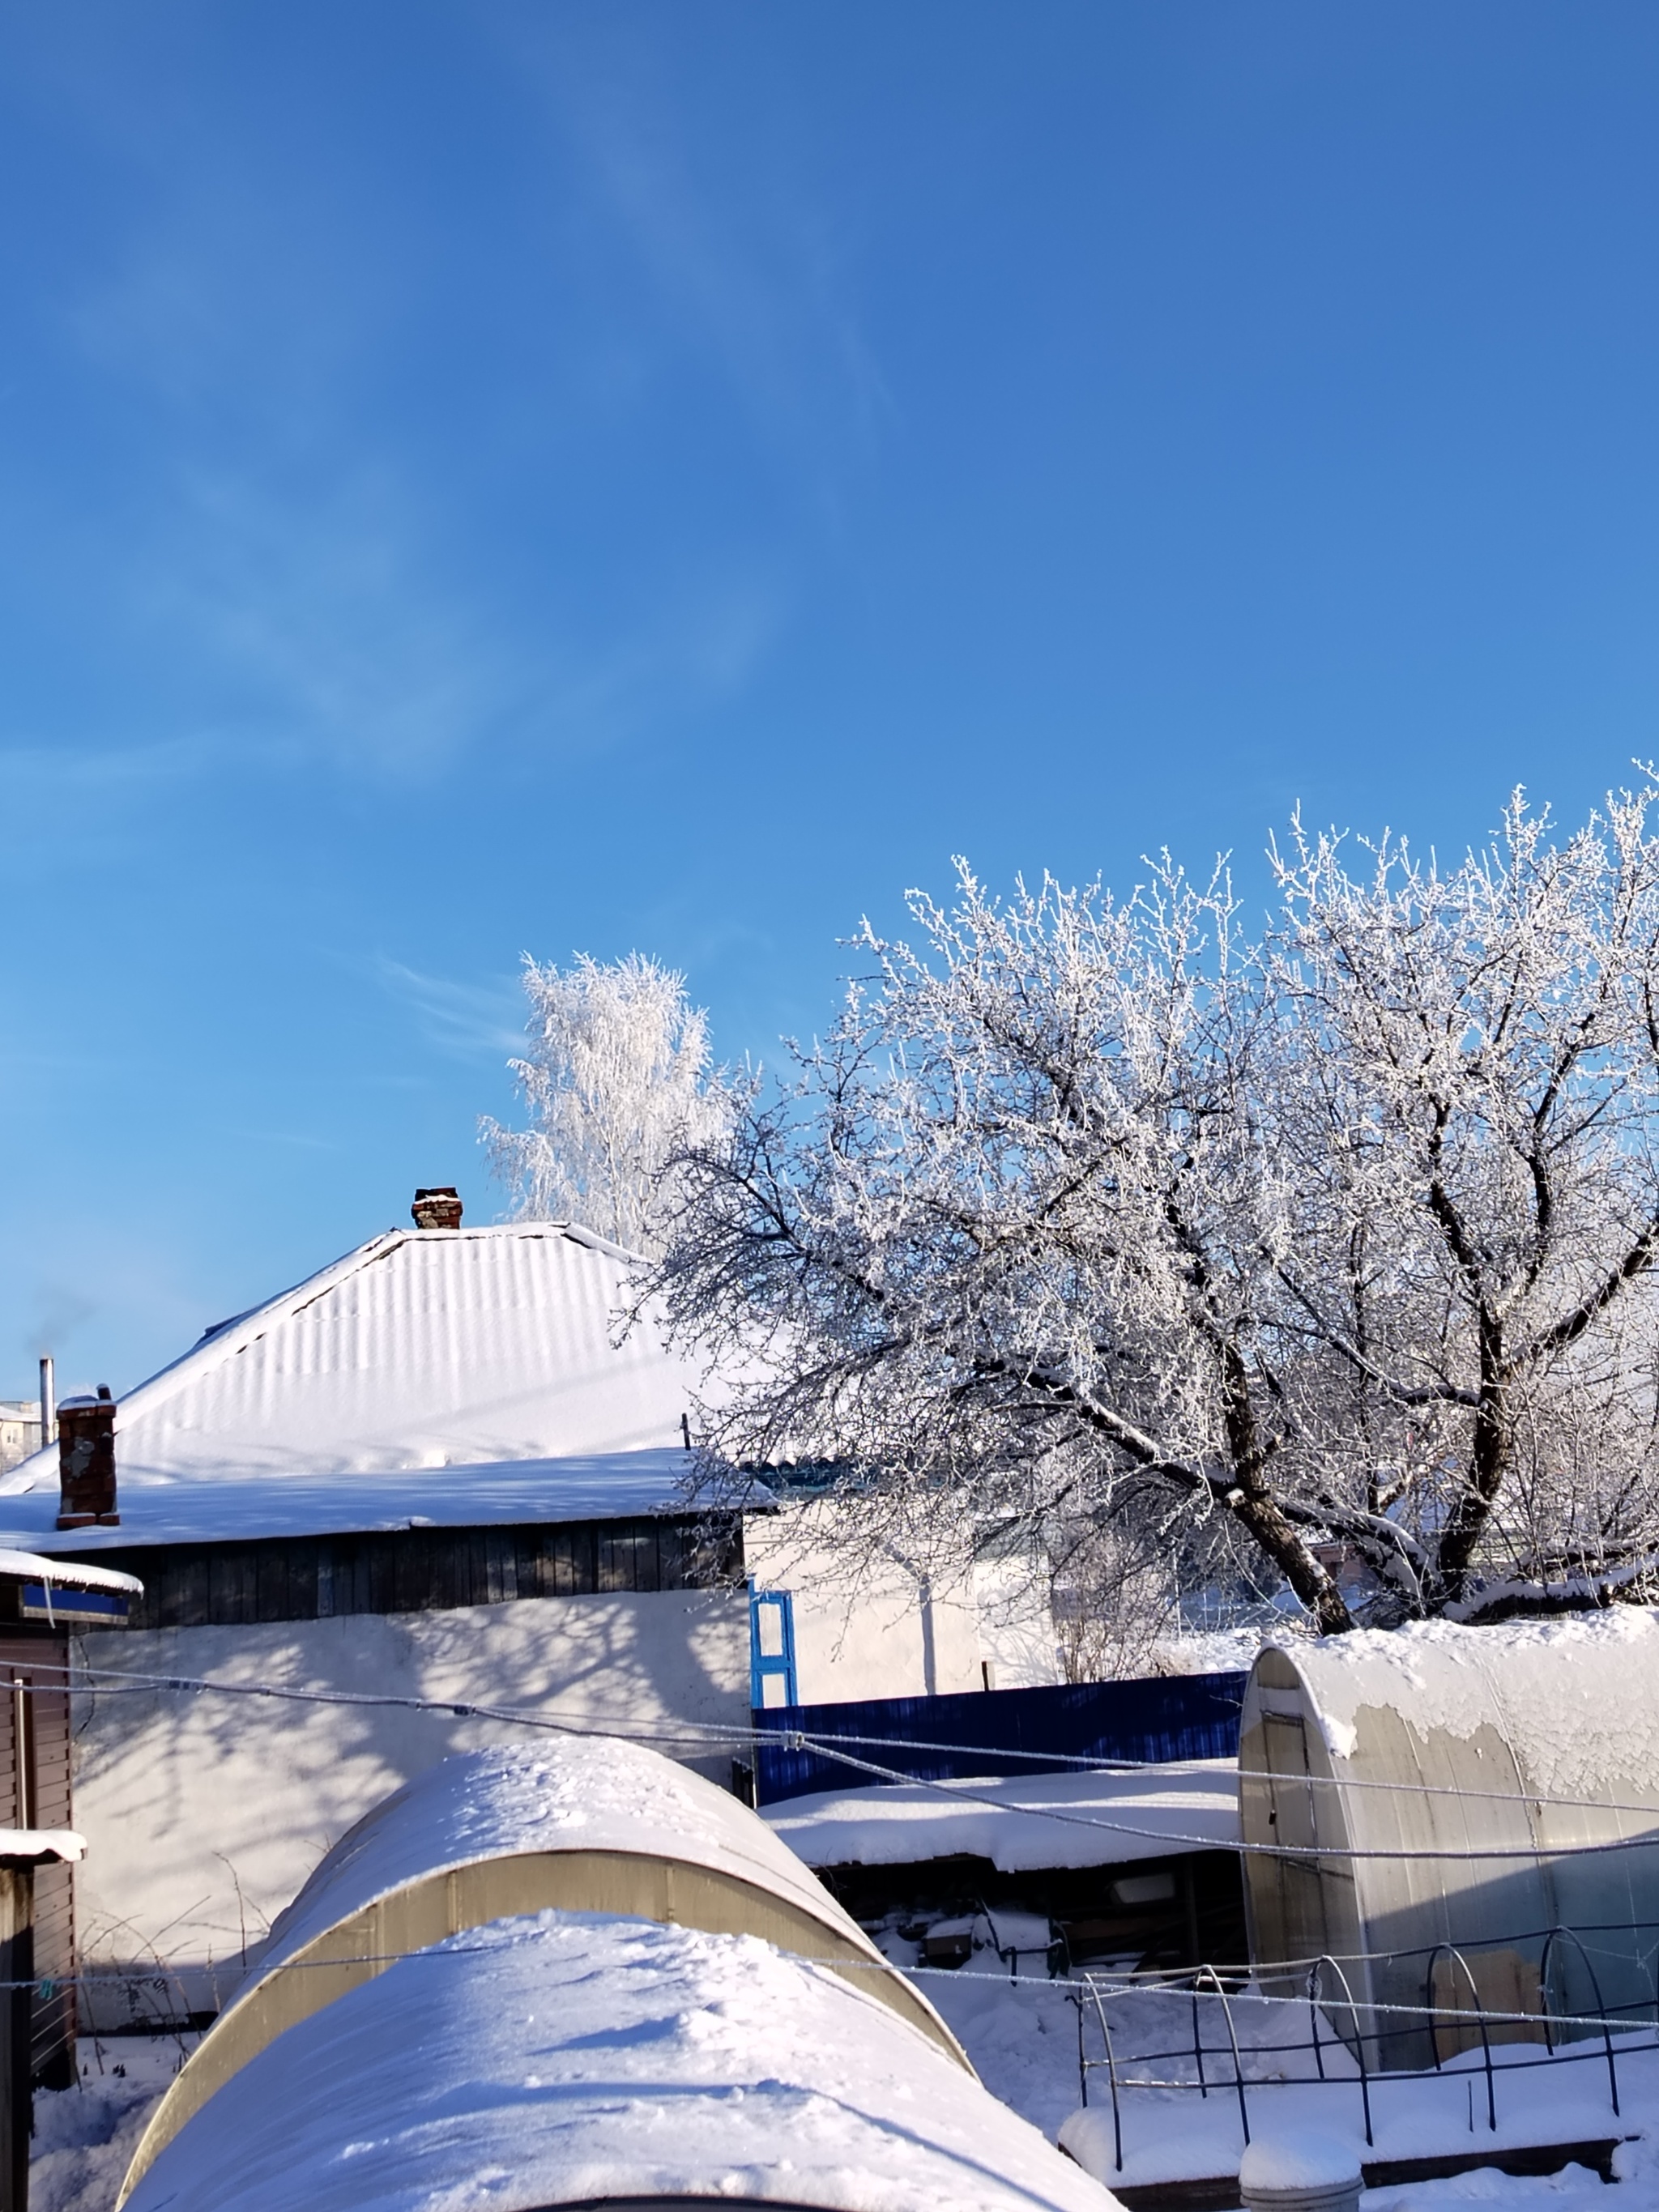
[[1490, 1449], [1257, 1510]]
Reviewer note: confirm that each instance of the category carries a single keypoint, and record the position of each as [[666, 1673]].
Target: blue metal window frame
[[762, 1667], [105, 1608]]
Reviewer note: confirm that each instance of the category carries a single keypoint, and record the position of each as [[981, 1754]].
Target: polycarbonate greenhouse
[[1458, 1822], [573, 1974]]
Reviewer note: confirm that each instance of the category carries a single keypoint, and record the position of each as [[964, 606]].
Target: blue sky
[[551, 476]]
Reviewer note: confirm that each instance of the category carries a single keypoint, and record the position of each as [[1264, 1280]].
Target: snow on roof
[[489, 1367], [195, 1509], [1020, 1823], [1576, 1697], [41, 1843], [31, 1567], [570, 2057], [423, 1348], [578, 1793]]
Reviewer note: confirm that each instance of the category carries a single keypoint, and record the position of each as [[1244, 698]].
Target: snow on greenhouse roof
[[570, 2057], [588, 1794], [488, 1367], [1020, 1823], [575, 1826], [1577, 1696]]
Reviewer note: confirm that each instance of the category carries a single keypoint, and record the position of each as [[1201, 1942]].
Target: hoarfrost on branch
[[1336, 1244]]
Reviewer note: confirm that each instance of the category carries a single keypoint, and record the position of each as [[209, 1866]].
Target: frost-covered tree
[[1095, 1210], [1114, 1597], [999, 1249], [1470, 1126], [616, 1081]]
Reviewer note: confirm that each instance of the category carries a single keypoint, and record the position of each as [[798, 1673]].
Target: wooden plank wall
[[34, 1793], [422, 1570]]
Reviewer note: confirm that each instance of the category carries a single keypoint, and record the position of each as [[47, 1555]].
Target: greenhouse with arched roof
[[574, 1975], [1461, 1823]]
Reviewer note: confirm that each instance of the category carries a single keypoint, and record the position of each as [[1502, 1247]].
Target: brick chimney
[[86, 1461], [437, 1209]]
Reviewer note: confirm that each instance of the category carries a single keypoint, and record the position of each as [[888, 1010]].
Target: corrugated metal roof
[[423, 1348]]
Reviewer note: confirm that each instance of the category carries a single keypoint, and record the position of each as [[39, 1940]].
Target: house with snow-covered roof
[[442, 1472], [437, 1471]]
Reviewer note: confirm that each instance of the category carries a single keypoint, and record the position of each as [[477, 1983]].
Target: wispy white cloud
[[469, 1021], [703, 645], [296, 577], [325, 623], [292, 1139], [751, 265], [104, 769], [323, 631]]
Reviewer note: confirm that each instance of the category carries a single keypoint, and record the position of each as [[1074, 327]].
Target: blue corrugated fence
[[1161, 1717]]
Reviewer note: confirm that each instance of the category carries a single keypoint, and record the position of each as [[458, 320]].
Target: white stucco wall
[[1016, 1623], [875, 1629], [203, 1814], [882, 1627]]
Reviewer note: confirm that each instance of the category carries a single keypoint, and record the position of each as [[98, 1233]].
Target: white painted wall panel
[[205, 1814], [869, 1630]]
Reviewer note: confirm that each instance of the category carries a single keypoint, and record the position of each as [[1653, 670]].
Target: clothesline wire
[[447, 1948], [827, 1745], [109, 1682]]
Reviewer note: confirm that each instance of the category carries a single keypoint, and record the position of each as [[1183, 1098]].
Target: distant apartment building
[[19, 1431]]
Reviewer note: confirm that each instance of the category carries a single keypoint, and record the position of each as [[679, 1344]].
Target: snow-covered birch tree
[[616, 1081], [1089, 1210]]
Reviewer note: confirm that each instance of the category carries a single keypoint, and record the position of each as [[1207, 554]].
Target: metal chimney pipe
[[48, 1401]]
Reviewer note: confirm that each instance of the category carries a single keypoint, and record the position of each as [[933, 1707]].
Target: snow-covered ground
[[1574, 2188], [1022, 2038], [1171, 2133], [83, 2137]]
